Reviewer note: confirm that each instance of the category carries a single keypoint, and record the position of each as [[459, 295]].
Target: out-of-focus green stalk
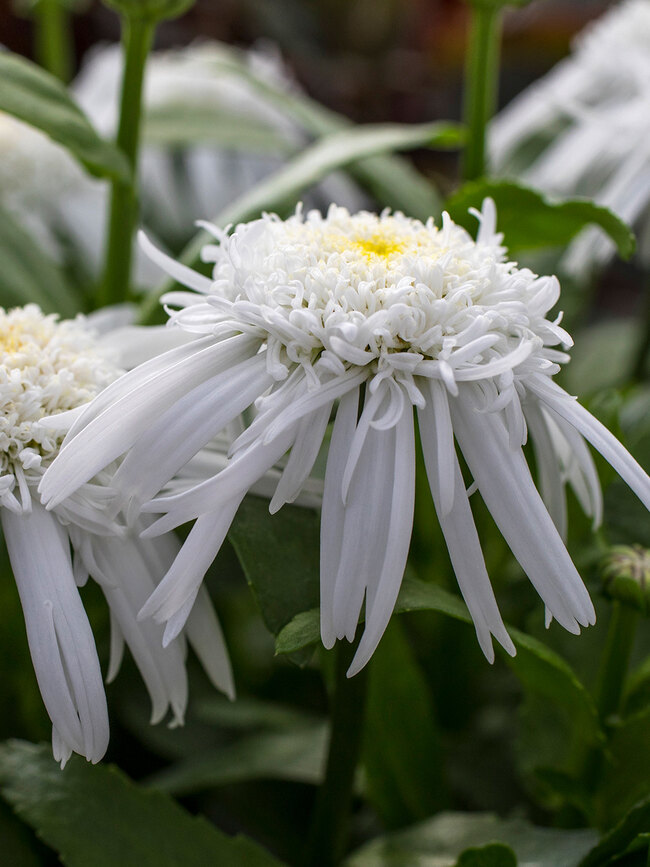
[[481, 84], [642, 355], [328, 834], [137, 38], [53, 38]]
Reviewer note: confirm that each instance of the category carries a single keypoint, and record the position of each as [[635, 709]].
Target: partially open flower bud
[[626, 576]]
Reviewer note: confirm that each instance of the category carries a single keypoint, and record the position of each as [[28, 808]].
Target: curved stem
[[53, 42], [481, 84], [329, 829], [137, 37]]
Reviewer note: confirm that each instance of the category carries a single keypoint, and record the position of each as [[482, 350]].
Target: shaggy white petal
[[60, 639]]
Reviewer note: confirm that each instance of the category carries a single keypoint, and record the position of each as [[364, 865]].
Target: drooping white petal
[[117, 427], [333, 513], [457, 524], [383, 590], [548, 469], [556, 399], [60, 639], [508, 490]]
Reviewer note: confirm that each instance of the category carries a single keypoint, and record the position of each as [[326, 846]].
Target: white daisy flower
[[583, 129], [363, 317], [51, 368]]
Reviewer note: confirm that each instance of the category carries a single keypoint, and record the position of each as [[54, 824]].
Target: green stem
[[53, 38], [616, 657], [481, 84], [329, 830], [643, 352], [137, 37], [611, 680]]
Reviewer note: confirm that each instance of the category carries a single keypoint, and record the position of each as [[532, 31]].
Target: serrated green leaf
[[442, 840], [402, 755], [296, 755], [95, 815], [179, 125], [529, 220], [491, 855], [538, 667], [29, 275], [34, 96]]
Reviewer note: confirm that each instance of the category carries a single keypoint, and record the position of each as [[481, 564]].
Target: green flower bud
[[150, 10], [626, 576]]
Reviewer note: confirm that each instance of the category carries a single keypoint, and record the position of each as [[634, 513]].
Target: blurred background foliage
[[447, 730]]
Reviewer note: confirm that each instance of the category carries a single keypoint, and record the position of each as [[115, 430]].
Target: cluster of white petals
[[50, 370], [360, 319], [583, 129], [46, 367]]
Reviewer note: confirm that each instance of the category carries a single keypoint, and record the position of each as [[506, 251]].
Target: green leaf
[[334, 152], [391, 179], [279, 556], [41, 100], [296, 755], [538, 667], [19, 847], [626, 778], [95, 815], [529, 220], [635, 823], [442, 840], [402, 755], [28, 273], [492, 855], [178, 125]]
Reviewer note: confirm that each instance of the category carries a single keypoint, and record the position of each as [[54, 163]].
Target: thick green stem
[[53, 38], [329, 830], [481, 84], [137, 37]]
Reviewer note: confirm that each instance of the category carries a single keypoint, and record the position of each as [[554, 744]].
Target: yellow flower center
[[379, 246]]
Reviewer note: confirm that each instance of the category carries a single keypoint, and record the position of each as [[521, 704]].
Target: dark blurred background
[[373, 60]]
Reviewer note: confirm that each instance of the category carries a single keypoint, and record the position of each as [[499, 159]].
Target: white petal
[[60, 639], [333, 514], [550, 480], [460, 534], [382, 593], [509, 492], [204, 634]]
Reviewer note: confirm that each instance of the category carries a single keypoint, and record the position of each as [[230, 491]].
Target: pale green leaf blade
[[530, 220], [178, 125], [295, 755], [95, 815], [29, 275], [442, 841], [34, 96]]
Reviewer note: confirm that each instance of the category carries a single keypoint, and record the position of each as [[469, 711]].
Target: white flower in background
[[44, 187], [366, 317], [584, 129], [180, 185], [46, 368]]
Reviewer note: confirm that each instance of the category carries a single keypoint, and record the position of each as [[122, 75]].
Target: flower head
[[583, 129], [49, 370], [361, 318]]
